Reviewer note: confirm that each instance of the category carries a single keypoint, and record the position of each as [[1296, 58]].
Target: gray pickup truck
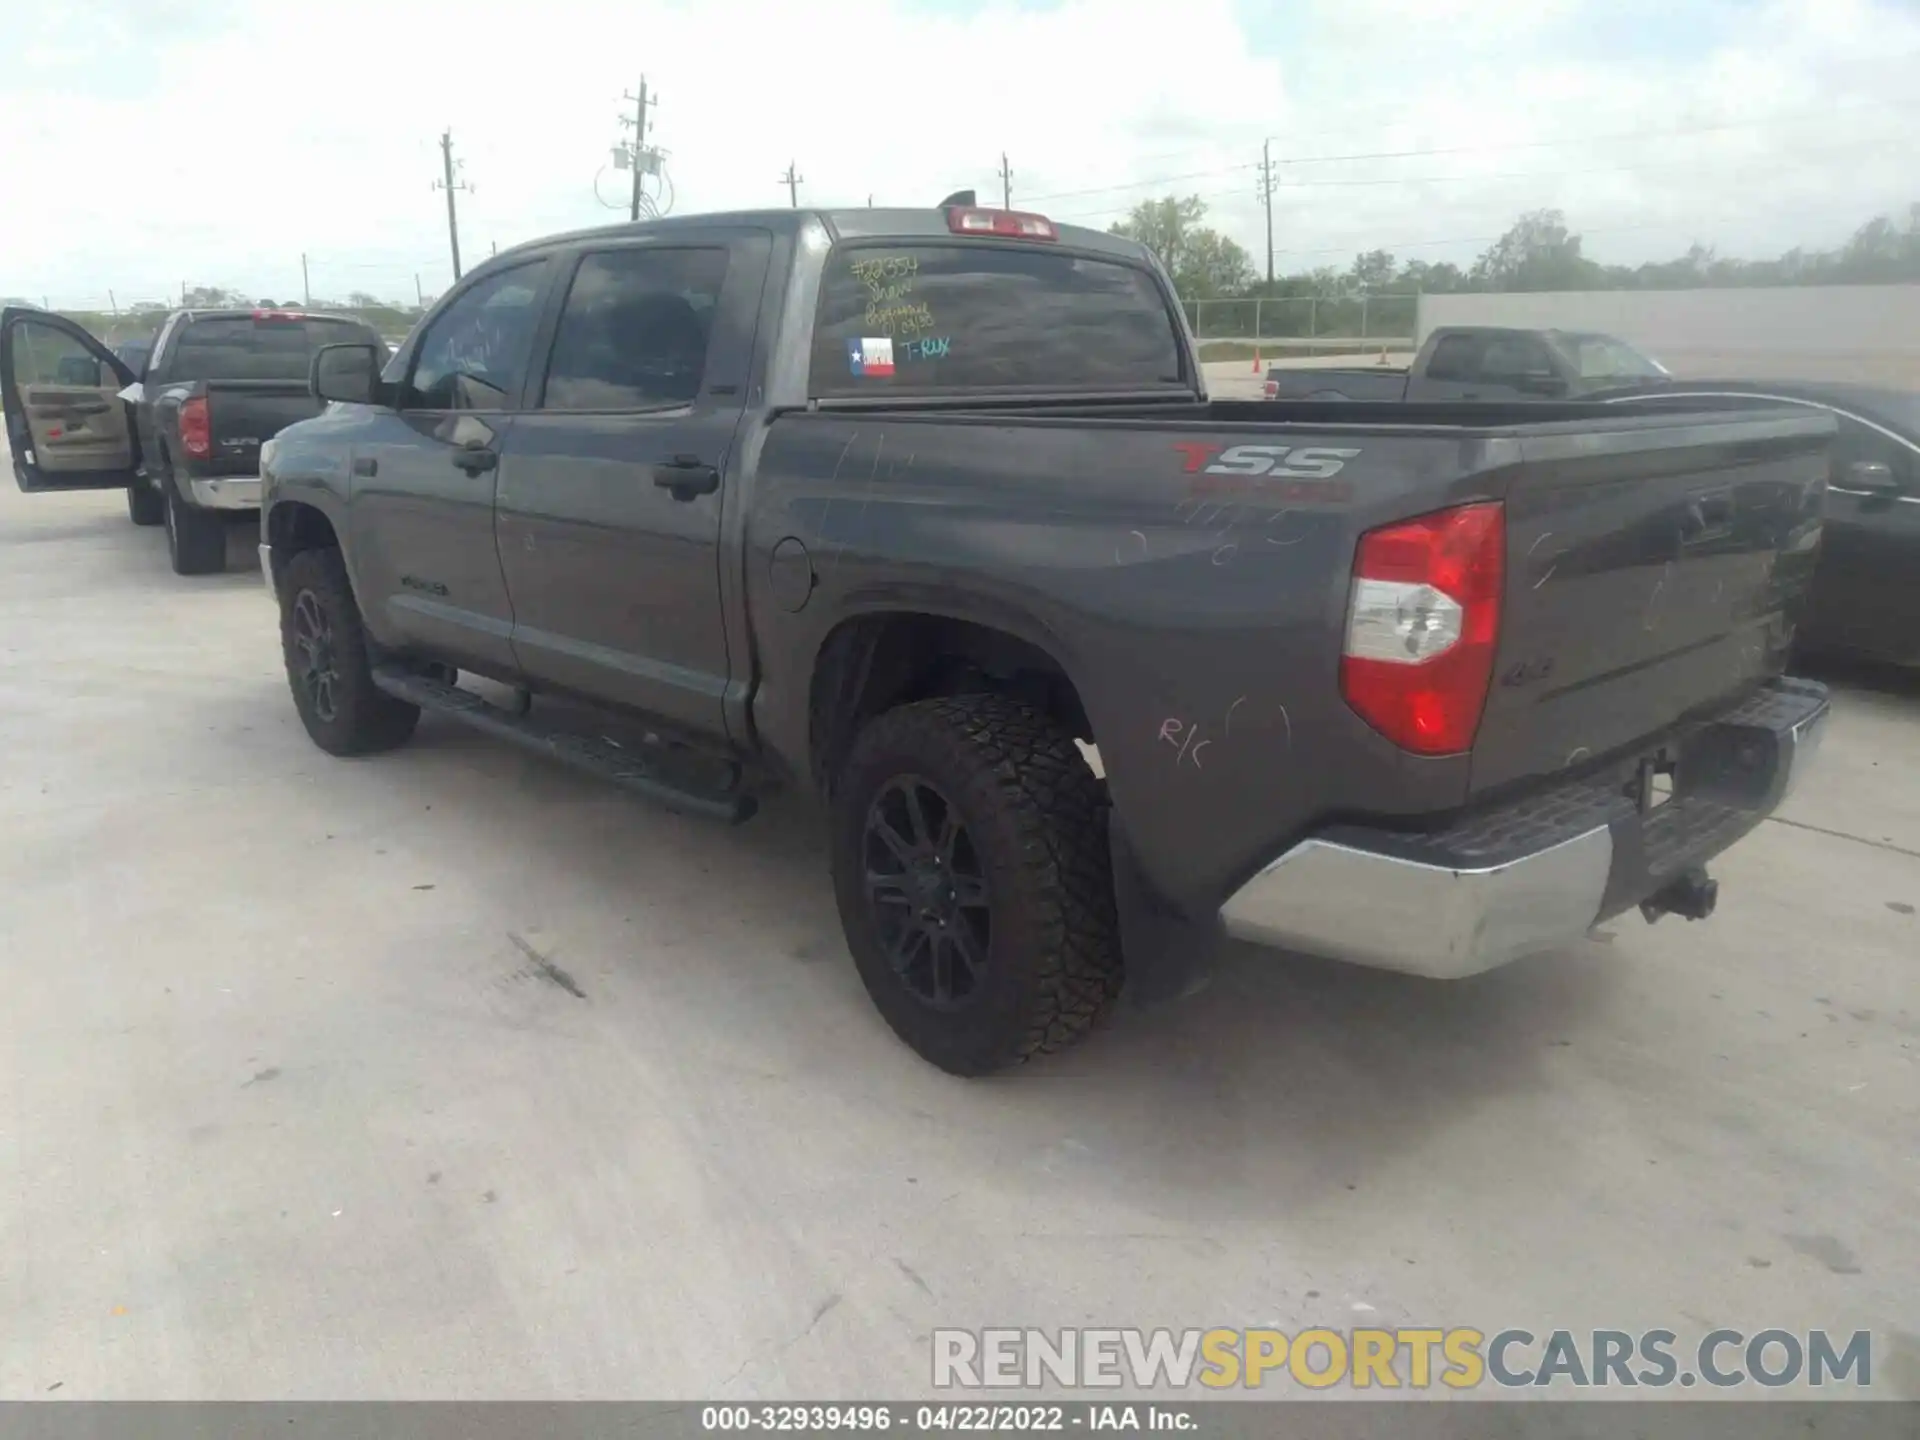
[[896, 506], [199, 401], [1479, 362]]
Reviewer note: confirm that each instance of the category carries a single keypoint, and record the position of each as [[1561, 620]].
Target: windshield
[[244, 348], [1605, 357]]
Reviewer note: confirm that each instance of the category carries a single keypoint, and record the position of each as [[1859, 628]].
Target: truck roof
[[248, 312], [848, 223]]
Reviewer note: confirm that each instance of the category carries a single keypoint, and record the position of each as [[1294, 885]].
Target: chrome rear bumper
[[226, 492], [1537, 874]]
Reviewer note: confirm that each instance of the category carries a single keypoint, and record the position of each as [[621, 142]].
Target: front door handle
[[686, 476], [366, 465], [477, 460]]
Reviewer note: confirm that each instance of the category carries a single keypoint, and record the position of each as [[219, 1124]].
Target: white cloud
[[251, 134]]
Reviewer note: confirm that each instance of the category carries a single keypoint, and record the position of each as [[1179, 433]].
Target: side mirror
[[1875, 476], [347, 373]]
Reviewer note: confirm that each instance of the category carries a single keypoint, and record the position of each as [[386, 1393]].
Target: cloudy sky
[[215, 141]]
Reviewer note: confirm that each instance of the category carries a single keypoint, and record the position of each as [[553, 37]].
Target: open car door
[[67, 426]]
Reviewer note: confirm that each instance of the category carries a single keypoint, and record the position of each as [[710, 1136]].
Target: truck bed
[[1354, 382], [1189, 563]]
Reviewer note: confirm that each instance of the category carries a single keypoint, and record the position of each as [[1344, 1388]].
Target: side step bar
[[624, 768]]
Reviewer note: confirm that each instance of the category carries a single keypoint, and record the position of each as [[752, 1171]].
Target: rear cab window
[[936, 318], [266, 347]]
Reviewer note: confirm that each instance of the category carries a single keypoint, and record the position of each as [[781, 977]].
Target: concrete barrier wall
[[1864, 333]]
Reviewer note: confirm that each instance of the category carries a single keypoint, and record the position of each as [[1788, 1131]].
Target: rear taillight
[[196, 431], [1423, 619], [1010, 224], [1272, 389]]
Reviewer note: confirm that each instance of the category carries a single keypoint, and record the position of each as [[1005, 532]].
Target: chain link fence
[[1308, 324]]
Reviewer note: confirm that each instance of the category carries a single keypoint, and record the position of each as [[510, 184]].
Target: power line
[[1601, 138], [1406, 181]]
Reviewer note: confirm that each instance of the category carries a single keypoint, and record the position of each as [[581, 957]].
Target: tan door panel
[[75, 426]]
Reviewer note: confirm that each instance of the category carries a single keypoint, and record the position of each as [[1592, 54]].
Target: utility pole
[[306, 287], [792, 180], [419, 295], [639, 123], [1006, 183], [113, 305], [449, 185], [1266, 194]]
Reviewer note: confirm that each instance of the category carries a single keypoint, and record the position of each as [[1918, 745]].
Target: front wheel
[[971, 870], [327, 663]]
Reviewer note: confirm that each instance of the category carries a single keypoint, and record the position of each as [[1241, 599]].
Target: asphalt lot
[[450, 1074]]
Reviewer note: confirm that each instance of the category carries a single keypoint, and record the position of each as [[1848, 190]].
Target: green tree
[[212, 297], [1204, 264], [1212, 266], [1164, 226], [1425, 277], [1537, 253], [1372, 270]]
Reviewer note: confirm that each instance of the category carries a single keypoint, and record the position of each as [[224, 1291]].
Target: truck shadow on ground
[[1855, 673], [1285, 1081], [139, 550]]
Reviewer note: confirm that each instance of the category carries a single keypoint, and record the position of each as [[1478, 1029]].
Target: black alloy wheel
[[313, 640], [927, 892]]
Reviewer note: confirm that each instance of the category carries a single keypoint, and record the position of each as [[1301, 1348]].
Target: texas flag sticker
[[871, 356]]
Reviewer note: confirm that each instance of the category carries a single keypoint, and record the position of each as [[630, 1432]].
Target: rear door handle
[[366, 465], [476, 461], [686, 476]]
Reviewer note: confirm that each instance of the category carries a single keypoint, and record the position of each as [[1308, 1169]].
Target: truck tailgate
[[1653, 572], [244, 415]]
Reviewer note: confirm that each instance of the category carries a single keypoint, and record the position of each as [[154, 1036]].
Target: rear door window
[[934, 319], [635, 330]]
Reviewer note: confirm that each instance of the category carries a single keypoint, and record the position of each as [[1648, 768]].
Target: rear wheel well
[[876, 663]]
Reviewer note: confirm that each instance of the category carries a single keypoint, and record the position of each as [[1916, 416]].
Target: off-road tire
[[196, 539], [1037, 822], [356, 718], [145, 504]]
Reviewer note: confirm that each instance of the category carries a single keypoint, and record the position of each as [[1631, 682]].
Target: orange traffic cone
[[1256, 359]]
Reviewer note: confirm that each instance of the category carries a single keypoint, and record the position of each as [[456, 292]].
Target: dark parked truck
[[895, 507], [178, 422], [1479, 362]]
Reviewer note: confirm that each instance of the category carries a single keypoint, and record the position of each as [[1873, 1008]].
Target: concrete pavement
[[450, 1074]]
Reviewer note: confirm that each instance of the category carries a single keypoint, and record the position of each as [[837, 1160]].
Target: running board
[[600, 758]]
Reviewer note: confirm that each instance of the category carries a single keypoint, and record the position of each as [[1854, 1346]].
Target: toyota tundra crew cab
[[927, 513]]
